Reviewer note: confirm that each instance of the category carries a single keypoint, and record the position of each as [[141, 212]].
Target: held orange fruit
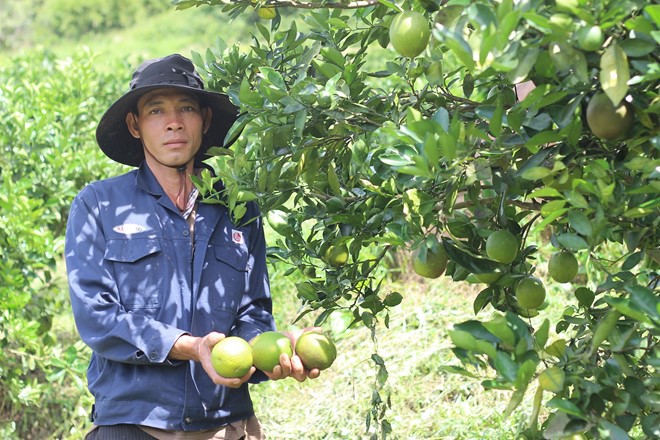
[[316, 350], [435, 263], [267, 348], [563, 266], [502, 246], [607, 121], [530, 293], [232, 357], [410, 33]]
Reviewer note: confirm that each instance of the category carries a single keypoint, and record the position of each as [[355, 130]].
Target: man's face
[[171, 124]]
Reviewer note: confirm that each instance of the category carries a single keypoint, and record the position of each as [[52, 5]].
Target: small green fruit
[[435, 263], [410, 33], [502, 246]]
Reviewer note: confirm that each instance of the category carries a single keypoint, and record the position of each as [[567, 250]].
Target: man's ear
[[131, 123], [207, 114]]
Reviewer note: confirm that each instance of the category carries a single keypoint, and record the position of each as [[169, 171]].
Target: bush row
[[48, 113]]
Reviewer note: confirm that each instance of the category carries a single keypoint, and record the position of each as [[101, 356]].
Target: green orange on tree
[[232, 357], [316, 350], [434, 265], [502, 246], [530, 293], [267, 348], [488, 277], [607, 121], [563, 266], [410, 33], [590, 38], [336, 255]]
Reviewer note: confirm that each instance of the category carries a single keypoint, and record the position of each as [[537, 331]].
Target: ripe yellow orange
[[563, 266], [316, 350], [502, 246], [267, 348], [530, 293], [435, 263], [410, 33], [336, 255], [232, 357]]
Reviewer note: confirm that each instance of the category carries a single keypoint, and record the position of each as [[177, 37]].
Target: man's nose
[[175, 122]]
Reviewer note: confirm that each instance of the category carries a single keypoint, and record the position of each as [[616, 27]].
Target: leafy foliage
[[484, 131], [48, 112]]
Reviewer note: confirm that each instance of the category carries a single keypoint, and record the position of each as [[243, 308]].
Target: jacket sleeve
[[255, 313], [103, 323]]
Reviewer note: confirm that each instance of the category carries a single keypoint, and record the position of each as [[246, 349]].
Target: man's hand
[[199, 349], [293, 366]]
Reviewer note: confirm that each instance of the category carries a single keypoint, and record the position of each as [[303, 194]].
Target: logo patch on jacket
[[237, 236], [129, 228]]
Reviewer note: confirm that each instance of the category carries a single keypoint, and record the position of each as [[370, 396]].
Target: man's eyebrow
[[157, 100]]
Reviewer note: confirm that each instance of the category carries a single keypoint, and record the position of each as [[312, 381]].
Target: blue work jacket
[[139, 280]]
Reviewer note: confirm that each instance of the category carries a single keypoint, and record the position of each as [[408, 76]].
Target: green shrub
[[73, 19], [48, 113]]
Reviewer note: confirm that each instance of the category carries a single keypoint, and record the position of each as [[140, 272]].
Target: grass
[[426, 401]]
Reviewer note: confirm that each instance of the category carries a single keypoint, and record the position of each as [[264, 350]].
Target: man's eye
[[189, 108], [155, 111]]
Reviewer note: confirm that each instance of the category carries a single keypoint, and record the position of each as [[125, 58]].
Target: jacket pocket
[[233, 256], [138, 265]]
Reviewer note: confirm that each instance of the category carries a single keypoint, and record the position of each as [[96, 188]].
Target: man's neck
[[175, 181]]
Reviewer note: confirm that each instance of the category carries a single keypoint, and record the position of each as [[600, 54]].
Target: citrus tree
[[484, 137]]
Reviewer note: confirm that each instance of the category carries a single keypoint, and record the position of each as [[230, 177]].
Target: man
[[157, 278]]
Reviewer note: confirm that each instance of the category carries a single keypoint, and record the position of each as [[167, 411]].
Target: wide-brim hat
[[174, 71]]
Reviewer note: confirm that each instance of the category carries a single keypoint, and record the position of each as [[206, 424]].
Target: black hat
[[174, 71]]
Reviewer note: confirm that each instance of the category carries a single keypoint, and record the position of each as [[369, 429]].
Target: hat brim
[[118, 143]]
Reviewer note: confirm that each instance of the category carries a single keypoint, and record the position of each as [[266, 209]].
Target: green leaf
[[472, 263], [566, 406], [456, 370], [611, 431], [552, 206], [572, 241], [333, 180], [614, 73], [579, 222], [541, 334], [536, 173], [506, 367], [644, 298], [519, 74], [456, 44], [543, 138]]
